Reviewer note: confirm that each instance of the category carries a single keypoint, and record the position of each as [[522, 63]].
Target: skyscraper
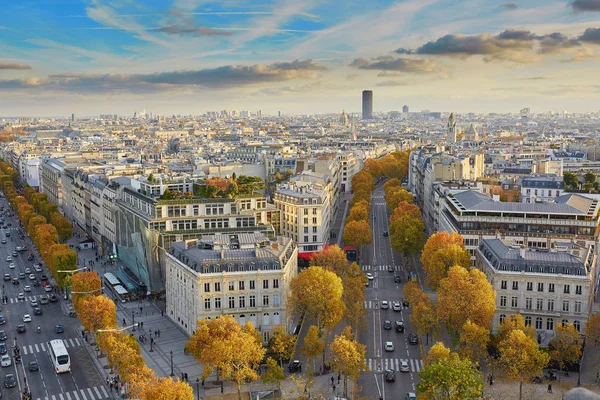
[[405, 109], [367, 104]]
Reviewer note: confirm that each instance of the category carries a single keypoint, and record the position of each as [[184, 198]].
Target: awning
[[349, 248], [306, 255]]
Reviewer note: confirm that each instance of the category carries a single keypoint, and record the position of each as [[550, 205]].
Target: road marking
[[25, 350], [91, 393], [83, 395], [37, 349], [397, 365], [104, 391], [61, 396], [412, 365], [76, 395], [97, 392], [12, 300], [43, 346], [68, 396], [53, 397]]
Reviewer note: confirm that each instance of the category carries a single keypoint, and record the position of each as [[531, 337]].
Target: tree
[[151, 178], [438, 264], [87, 284], [395, 195], [474, 341], [406, 235], [424, 317], [373, 167], [592, 330], [451, 378], [466, 295], [234, 350], [403, 209], [394, 182], [347, 356], [62, 225], [413, 293], [123, 352], [590, 177], [318, 293], [440, 240], [358, 212], [62, 259], [571, 180], [156, 388], [282, 343], [97, 312], [565, 348], [250, 184], [34, 222], [354, 295], [313, 346], [358, 233], [437, 352], [274, 374], [331, 258], [521, 358], [515, 322]]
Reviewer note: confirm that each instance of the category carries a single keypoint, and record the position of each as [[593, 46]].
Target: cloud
[[228, 76], [586, 5], [12, 65], [591, 35], [191, 31], [406, 65], [510, 6]]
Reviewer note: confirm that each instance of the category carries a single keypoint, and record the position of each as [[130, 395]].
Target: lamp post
[[151, 343], [118, 329], [172, 373], [198, 387], [133, 319], [70, 271]]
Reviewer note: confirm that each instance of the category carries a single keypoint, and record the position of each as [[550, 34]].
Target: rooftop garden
[[219, 188]]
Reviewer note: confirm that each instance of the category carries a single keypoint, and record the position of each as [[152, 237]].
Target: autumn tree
[[406, 235], [394, 182], [521, 358], [62, 259], [358, 212], [331, 258], [395, 195], [440, 240], [439, 263], [282, 343], [512, 323], [347, 356], [451, 378], [466, 295], [354, 295], [437, 352], [373, 167], [97, 312], [123, 352], [405, 209], [85, 284], [34, 222], [358, 233], [274, 374], [62, 224], [592, 330], [413, 293], [474, 340], [565, 347], [161, 389], [424, 317]]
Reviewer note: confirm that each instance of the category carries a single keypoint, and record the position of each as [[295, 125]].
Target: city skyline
[[186, 56]]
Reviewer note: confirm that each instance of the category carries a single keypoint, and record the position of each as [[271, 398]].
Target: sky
[[93, 57]]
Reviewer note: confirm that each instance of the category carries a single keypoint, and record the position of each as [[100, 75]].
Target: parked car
[[3, 348], [3, 335], [5, 360]]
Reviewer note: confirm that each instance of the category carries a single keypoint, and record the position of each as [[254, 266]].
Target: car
[[21, 275], [3, 335], [34, 366], [53, 298], [21, 328], [11, 265], [32, 277], [37, 311], [27, 271], [15, 281], [21, 296], [390, 268], [386, 234], [399, 326], [3, 241], [404, 366], [2, 320], [396, 306], [37, 268], [370, 276], [8, 258], [413, 338], [43, 277], [10, 381], [7, 277], [3, 348], [19, 248], [27, 288], [48, 288], [15, 254], [405, 303], [390, 375], [7, 233], [59, 329], [397, 279], [295, 366], [33, 303], [385, 305], [411, 396], [5, 360], [387, 325], [389, 346], [44, 299], [9, 224], [26, 318]]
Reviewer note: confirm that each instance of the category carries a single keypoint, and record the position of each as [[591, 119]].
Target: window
[[314, 211], [252, 285], [314, 229], [306, 229], [514, 302], [305, 239], [566, 305], [502, 301], [241, 285], [529, 286], [550, 324], [252, 300], [540, 286], [207, 304], [265, 300], [275, 283], [314, 220], [306, 211], [502, 317], [567, 289], [528, 321], [538, 323], [231, 285], [577, 325], [539, 305], [578, 289], [315, 238], [242, 301], [503, 285], [551, 287], [275, 299], [306, 221], [265, 283], [528, 303], [217, 286], [577, 306], [565, 322], [550, 305], [218, 303], [231, 302], [207, 287]]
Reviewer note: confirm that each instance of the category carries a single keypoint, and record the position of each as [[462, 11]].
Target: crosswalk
[[93, 393], [380, 267], [41, 347], [376, 304], [13, 300], [381, 364]]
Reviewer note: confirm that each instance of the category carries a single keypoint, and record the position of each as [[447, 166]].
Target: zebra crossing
[[41, 347], [93, 393], [14, 300], [376, 304], [380, 267], [381, 364]]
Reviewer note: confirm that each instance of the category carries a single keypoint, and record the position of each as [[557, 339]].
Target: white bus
[[59, 356]]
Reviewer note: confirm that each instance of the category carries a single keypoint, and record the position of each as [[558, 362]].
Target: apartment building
[[351, 164], [546, 286], [541, 188], [246, 275]]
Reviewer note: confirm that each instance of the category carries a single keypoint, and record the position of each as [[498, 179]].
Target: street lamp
[[90, 292], [151, 343], [172, 373], [70, 271], [118, 329], [198, 387], [133, 319]]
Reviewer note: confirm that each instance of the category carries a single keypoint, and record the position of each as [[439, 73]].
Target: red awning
[[306, 255], [349, 248]]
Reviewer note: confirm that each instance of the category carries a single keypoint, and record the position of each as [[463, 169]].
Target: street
[[379, 260], [83, 382]]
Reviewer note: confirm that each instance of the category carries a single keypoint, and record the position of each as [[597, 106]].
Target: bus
[[59, 356], [114, 286]]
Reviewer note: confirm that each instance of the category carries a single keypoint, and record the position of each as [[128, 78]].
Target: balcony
[[527, 221]]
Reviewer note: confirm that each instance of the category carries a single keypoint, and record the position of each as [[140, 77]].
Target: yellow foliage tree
[[161, 389], [474, 340], [282, 343], [85, 284], [331, 258], [358, 233], [312, 346], [404, 209], [592, 330], [565, 347], [439, 263], [347, 356], [437, 352], [98, 312], [358, 212], [354, 295], [440, 240]]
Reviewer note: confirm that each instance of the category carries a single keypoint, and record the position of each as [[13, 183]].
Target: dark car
[[387, 325], [295, 366], [3, 335], [3, 349], [390, 268], [34, 366], [413, 338], [390, 375], [386, 234], [21, 328], [43, 277], [10, 381], [2, 320], [397, 279], [405, 303], [59, 328], [399, 326], [53, 298], [37, 311]]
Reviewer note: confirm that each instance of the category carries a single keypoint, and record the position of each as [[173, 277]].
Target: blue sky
[[297, 56]]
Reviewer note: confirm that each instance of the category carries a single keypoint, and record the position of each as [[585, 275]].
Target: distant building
[[343, 118], [405, 109], [367, 104], [541, 188], [451, 131], [73, 117]]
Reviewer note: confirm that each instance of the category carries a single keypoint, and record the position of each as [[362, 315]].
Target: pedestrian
[[333, 388], [123, 321], [186, 377], [549, 388], [141, 309], [142, 324], [159, 333], [162, 313], [339, 377], [332, 381]]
